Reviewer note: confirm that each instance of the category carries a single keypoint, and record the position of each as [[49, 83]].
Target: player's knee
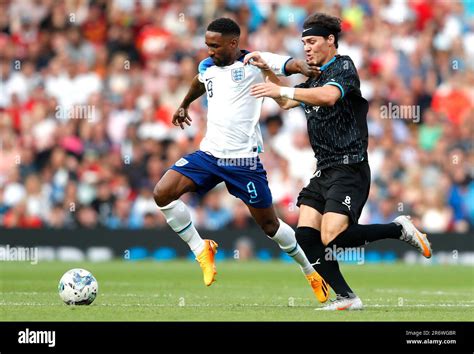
[[161, 196], [270, 226], [330, 229], [328, 235]]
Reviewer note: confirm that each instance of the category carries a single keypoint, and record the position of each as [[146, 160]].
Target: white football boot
[[343, 304], [412, 236]]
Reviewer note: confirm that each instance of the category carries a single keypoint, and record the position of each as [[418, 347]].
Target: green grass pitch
[[244, 291]]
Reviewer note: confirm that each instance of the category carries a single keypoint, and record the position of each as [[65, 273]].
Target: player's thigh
[[309, 217], [348, 189], [248, 183], [193, 173], [311, 202]]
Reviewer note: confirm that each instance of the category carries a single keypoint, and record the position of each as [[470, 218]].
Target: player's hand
[[181, 116], [309, 70], [256, 59], [265, 89]]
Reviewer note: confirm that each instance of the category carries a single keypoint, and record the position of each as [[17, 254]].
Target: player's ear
[[234, 42], [331, 39]]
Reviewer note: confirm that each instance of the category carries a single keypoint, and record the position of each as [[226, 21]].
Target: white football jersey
[[233, 129]]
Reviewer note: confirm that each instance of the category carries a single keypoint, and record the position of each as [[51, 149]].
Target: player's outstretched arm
[[298, 66], [277, 92], [196, 90], [290, 65], [256, 59], [316, 96]]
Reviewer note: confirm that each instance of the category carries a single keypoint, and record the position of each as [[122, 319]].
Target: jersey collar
[[243, 54], [324, 67]]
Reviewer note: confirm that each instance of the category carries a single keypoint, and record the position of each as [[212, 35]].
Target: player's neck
[[237, 55], [329, 57]]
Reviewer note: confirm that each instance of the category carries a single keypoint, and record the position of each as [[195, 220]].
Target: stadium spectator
[[87, 90]]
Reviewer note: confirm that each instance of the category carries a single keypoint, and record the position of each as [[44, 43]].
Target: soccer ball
[[78, 287]]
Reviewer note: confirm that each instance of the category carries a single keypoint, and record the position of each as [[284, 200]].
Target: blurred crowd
[[88, 90]]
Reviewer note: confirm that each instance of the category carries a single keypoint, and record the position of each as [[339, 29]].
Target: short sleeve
[[203, 66], [276, 62], [344, 77]]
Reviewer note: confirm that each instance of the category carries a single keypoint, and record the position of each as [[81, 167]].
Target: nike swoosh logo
[[306, 30], [344, 307], [317, 262], [253, 201], [426, 251], [209, 79]]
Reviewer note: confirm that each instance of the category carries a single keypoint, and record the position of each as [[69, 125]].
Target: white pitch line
[[367, 301], [230, 305], [102, 294], [422, 292], [421, 305]]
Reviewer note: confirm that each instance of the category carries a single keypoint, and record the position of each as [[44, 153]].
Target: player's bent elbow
[[284, 105], [288, 104]]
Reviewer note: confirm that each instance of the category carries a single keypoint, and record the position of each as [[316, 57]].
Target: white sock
[[285, 237], [179, 219]]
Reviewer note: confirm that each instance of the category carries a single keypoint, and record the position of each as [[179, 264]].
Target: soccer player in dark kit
[[331, 204]]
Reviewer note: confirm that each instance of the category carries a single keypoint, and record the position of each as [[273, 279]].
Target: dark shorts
[[341, 189], [245, 178]]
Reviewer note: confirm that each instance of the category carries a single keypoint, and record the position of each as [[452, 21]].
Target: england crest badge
[[238, 74]]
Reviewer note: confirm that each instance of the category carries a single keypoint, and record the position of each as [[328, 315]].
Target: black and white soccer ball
[[78, 287]]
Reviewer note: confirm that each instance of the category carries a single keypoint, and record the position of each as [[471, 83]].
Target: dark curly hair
[[226, 26], [332, 23]]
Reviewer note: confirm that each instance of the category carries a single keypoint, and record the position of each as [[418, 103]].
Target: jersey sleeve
[[276, 62], [344, 77], [203, 66]]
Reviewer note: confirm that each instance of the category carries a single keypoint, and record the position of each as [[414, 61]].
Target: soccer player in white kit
[[229, 151]]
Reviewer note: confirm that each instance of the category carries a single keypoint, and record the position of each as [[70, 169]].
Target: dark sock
[[309, 240], [359, 235]]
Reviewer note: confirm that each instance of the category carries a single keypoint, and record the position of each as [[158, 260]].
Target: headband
[[317, 31]]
